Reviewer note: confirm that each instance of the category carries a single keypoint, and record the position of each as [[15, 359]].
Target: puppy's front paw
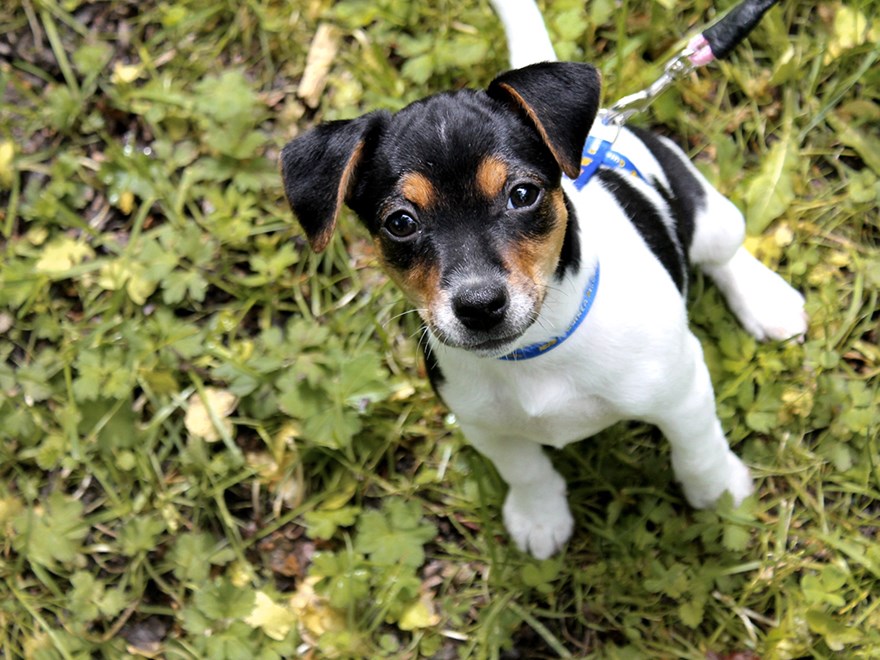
[[703, 490], [769, 307], [779, 314], [538, 521]]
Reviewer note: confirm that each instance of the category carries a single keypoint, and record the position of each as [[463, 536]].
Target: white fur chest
[[543, 403]]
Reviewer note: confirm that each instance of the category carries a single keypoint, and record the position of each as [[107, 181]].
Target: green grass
[[325, 502]]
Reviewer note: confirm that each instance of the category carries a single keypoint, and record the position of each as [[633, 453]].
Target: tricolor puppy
[[554, 306]]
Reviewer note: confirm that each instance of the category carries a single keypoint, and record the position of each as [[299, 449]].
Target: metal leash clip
[[678, 67]]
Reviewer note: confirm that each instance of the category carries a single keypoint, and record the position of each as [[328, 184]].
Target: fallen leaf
[[7, 151], [125, 73], [420, 614], [322, 52], [126, 202], [313, 612], [212, 402], [273, 619], [850, 30], [113, 275], [62, 255], [139, 286]]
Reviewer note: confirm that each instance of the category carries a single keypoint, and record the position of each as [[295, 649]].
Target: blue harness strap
[[597, 153]]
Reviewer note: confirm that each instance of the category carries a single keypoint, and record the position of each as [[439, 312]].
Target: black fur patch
[[648, 222], [318, 168], [570, 256], [687, 196]]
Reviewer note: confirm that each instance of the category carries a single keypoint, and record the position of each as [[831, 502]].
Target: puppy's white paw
[[538, 521], [775, 311], [768, 307], [702, 490]]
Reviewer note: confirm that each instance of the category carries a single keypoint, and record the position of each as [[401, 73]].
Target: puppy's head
[[461, 194]]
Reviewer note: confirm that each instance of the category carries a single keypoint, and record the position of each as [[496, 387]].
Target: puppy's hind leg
[[536, 512], [765, 304]]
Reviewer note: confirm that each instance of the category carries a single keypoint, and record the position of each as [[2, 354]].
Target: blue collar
[[534, 350], [597, 153]]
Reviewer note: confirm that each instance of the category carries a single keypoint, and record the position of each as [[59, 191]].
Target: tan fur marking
[[421, 285], [492, 174], [570, 169], [418, 189], [322, 239], [533, 261]]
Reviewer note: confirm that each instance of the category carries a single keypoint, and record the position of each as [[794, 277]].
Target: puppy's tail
[[527, 38]]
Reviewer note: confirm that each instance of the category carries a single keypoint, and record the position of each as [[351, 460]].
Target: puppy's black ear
[[318, 169], [560, 98]]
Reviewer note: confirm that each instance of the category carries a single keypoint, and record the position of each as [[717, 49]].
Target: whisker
[[424, 338], [402, 314], [397, 316], [539, 321]]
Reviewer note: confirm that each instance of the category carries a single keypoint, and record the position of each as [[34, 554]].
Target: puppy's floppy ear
[[560, 98], [318, 170]]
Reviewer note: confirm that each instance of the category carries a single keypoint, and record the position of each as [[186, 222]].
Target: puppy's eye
[[401, 225], [523, 196]]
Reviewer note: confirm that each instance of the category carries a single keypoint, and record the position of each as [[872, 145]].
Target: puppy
[[554, 305]]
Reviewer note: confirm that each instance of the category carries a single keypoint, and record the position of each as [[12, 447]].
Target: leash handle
[[727, 33]]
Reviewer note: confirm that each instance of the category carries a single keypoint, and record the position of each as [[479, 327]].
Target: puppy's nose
[[480, 306]]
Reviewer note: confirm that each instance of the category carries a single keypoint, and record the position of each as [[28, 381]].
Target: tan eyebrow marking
[[418, 189], [492, 174]]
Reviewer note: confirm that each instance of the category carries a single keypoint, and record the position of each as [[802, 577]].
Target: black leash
[[727, 33]]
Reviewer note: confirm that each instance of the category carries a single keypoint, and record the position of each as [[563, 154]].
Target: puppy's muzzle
[[481, 306]]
